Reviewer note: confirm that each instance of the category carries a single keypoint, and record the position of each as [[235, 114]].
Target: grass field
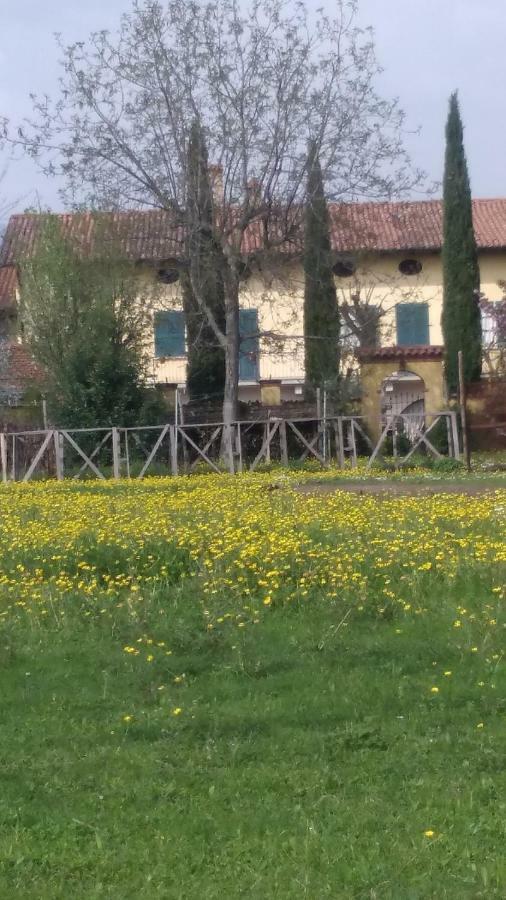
[[220, 687]]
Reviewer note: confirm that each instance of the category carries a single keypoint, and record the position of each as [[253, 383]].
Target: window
[[169, 333], [344, 268], [488, 326], [493, 324], [412, 324], [248, 348], [168, 276], [168, 271], [410, 267]]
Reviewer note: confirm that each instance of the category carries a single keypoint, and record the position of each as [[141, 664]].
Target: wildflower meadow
[[240, 686]]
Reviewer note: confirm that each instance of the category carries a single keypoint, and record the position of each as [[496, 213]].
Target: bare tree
[[263, 81], [493, 319], [6, 206]]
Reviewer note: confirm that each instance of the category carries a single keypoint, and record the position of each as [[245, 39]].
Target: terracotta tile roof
[[148, 234], [155, 234], [415, 352], [416, 225], [8, 286], [18, 370]]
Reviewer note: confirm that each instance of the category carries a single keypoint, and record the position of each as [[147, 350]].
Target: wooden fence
[[182, 449]]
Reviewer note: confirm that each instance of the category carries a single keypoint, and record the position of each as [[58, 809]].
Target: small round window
[[168, 275], [410, 267], [344, 268]]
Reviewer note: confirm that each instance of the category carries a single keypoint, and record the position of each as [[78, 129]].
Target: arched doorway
[[403, 403]]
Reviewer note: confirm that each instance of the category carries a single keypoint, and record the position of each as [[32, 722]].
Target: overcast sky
[[426, 47]]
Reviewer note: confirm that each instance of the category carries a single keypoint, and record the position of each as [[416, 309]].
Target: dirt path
[[402, 488]]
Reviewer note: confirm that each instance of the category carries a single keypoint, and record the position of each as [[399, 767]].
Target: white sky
[[426, 47]]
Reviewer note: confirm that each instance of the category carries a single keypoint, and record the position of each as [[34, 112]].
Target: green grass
[[308, 760]]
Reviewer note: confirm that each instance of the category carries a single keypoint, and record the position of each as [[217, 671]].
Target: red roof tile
[[155, 235], [149, 234], [8, 286], [419, 352]]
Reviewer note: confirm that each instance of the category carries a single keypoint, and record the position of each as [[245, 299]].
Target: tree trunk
[[231, 391], [230, 340]]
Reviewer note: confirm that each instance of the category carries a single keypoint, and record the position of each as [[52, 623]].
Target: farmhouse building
[[389, 279]]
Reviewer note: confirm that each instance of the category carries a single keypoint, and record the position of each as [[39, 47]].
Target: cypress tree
[[461, 321], [206, 359], [321, 313]]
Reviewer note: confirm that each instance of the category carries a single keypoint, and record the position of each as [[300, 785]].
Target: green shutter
[[169, 333], [248, 348], [412, 324]]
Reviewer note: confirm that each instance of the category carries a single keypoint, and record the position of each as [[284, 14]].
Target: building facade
[[388, 276]]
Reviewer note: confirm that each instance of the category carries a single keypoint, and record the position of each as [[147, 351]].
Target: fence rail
[[243, 445]]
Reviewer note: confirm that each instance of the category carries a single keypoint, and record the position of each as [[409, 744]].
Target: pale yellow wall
[[373, 374], [278, 296]]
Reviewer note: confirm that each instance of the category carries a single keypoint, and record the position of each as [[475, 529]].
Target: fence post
[[116, 469], [13, 461], [353, 444], [238, 447], [3, 456], [58, 454], [463, 412], [173, 449], [455, 435], [340, 441], [283, 442], [449, 436], [127, 454]]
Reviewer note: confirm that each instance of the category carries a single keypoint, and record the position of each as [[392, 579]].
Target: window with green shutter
[[412, 324], [169, 333], [248, 347]]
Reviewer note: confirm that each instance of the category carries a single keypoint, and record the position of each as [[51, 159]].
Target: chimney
[[216, 179]]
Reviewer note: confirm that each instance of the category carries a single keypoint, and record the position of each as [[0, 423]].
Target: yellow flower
[[447, 674], [434, 690], [429, 833], [177, 711], [480, 725], [127, 719]]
